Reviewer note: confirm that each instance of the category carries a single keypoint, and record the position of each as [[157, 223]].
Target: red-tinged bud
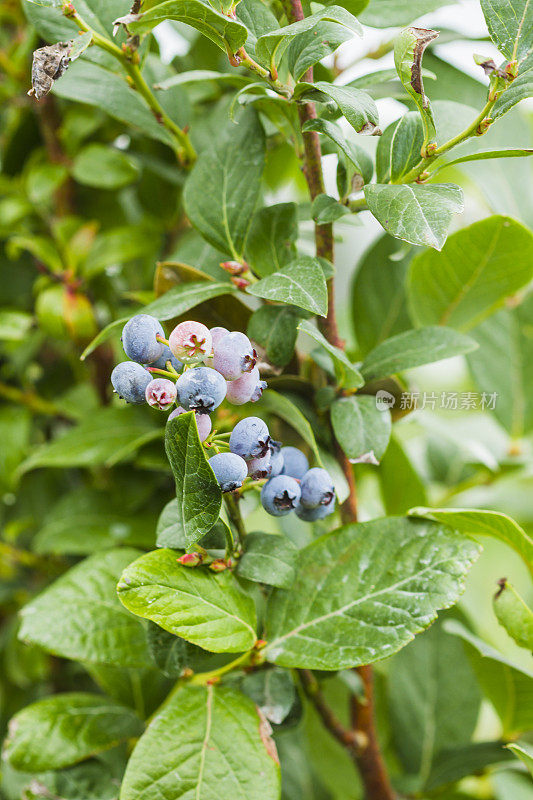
[[260, 644], [234, 267], [240, 283], [511, 70], [190, 559], [484, 126], [218, 565], [68, 9]]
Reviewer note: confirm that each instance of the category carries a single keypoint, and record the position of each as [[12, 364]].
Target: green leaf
[[510, 24], [170, 305], [118, 246], [89, 83], [273, 692], [434, 701], [348, 375], [170, 531], [480, 266], [379, 306], [104, 167], [357, 106], [207, 742], [419, 214], [233, 169], [399, 148], [42, 249], [485, 155], [79, 616], [519, 89], [524, 751], [326, 209], [514, 615], [409, 49], [386, 13], [301, 283], [501, 681], [167, 650], [414, 348], [275, 328], [477, 522], [14, 325], [194, 76], [15, 434], [455, 763], [355, 155], [504, 364], [271, 240], [310, 47], [362, 592], [63, 729], [401, 485], [107, 436], [360, 426], [218, 27], [271, 45], [207, 609], [197, 490], [276, 403], [268, 559]]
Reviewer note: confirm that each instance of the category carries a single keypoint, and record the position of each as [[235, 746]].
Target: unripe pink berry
[[248, 388], [203, 422], [191, 342], [161, 393]]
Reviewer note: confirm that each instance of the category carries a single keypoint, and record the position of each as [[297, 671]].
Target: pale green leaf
[[278, 404], [514, 615], [271, 240], [510, 24], [301, 283], [523, 751], [268, 559], [326, 209], [104, 167], [360, 426], [275, 328], [386, 13], [356, 105], [409, 49], [347, 373]]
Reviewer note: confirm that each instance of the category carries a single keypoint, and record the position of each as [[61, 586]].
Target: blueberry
[[161, 393], [313, 514], [130, 380], [190, 342], [203, 422], [250, 438], [280, 495], [138, 339], [295, 462], [217, 334], [258, 391], [161, 362], [230, 470], [244, 388], [234, 355], [259, 468], [317, 488], [201, 389], [276, 459]]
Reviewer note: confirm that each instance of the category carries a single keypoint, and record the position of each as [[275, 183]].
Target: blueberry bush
[[266, 370]]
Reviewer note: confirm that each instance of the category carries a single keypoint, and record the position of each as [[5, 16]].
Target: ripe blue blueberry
[[248, 388], [317, 488], [250, 438], [167, 355], [130, 380], [161, 393], [230, 470], [276, 459], [201, 389], [191, 342], [259, 468], [139, 339], [203, 422], [234, 356], [313, 514], [280, 495], [295, 462]]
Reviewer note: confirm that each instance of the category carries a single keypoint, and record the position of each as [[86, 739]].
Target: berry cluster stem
[[235, 516]]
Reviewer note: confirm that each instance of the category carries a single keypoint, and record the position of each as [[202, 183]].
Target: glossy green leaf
[[276, 403], [514, 615], [233, 169], [310, 47], [347, 373], [271, 240], [419, 214], [326, 209], [409, 49], [501, 681], [480, 266], [510, 24], [273, 691], [218, 27], [301, 283], [356, 156], [268, 559], [399, 148], [271, 45], [360, 426], [197, 491], [207, 609], [170, 532], [356, 106], [363, 591], [504, 364], [434, 700], [414, 348], [63, 729], [79, 616], [523, 751], [103, 167], [275, 328], [207, 742], [478, 522]]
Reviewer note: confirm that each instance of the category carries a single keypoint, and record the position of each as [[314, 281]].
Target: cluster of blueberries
[[291, 485], [224, 367], [202, 367]]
